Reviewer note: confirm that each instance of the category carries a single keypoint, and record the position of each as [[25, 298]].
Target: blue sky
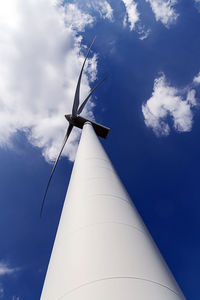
[[149, 52]]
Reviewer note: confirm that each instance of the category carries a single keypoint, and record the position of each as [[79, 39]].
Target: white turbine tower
[[102, 249]]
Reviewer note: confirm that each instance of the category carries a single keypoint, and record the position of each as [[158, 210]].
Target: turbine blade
[[77, 92], [55, 164], [90, 94]]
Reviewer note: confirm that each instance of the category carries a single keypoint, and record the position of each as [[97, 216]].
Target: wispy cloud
[[132, 19], [132, 15], [40, 59], [197, 77], [164, 11], [197, 4], [5, 269], [104, 8], [75, 18], [143, 32], [167, 101]]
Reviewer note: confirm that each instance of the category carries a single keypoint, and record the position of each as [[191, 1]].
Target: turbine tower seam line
[[118, 277], [110, 195], [107, 195], [102, 223]]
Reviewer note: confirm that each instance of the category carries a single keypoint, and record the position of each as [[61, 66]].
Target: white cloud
[[167, 101], [197, 78], [106, 11], [164, 11], [104, 8], [40, 60], [75, 18], [132, 15], [143, 32], [5, 269]]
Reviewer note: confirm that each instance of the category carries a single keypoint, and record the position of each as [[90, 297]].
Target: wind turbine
[[102, 249], [76, 120]]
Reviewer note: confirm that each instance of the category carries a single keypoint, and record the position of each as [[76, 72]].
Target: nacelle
[[79, 121]]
